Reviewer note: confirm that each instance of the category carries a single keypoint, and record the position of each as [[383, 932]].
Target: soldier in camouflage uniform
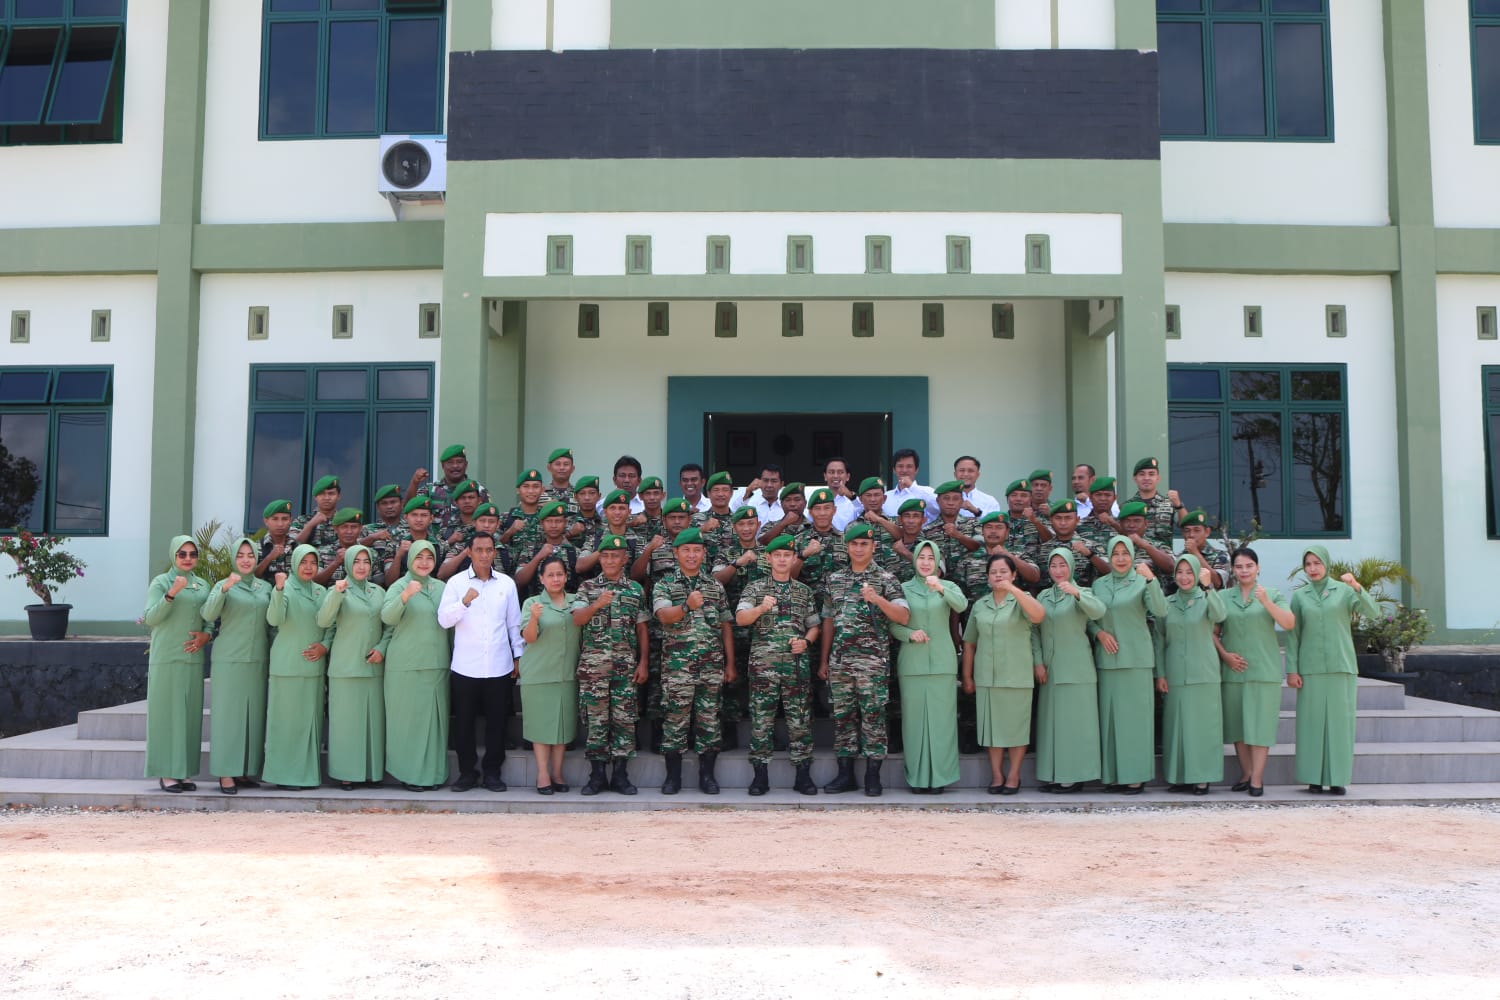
[[872, 511], [1133, 527], [973, 573], [714, 523], [656, 560], [585, 527], [736, 566], [784, 619], [520, 526], [1089, 562], [276, 547], [561, 489], [1100, 526], [486, 522], [697, 657], [611, 610], [793, 500], [418, 511], [347, 526], [457, 527], [1197, 541], [648, 524], [895, 557], [952, 536], [1161, 511], [553, 544], [455, 463], [316, 529], [820, 551], [1027, 529], [1041, 490], [616, 518], [381, 536], [855, 657]]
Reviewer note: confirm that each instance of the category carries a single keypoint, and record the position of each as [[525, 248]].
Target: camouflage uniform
[[564, 550], [692, 661], [1161, 520], [593, 530], [658, 565], [334, 555], [832, 555], [563, 495], [1083, 567], [777, 675], [444, 513], [385, 549], [439, 549], [951, 549], [859, 660], [893, 562], [323, 534], [737, 692], [716, 539], [281, 564], [1213, 557], [530, 533], [608, 654]]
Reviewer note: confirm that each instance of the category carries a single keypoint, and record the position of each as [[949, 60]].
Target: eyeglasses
[[186, 554]]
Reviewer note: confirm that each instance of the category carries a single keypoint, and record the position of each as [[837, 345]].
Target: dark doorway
[[801, 443]]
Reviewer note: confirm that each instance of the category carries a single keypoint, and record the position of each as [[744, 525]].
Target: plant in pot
[[1395, 632], [44, 564], [1374, 575]]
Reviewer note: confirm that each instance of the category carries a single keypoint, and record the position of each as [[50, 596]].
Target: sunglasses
[[186, 554]]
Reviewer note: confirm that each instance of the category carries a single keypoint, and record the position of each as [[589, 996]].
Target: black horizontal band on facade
[[852, 103]]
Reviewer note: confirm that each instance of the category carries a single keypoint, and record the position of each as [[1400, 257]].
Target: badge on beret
[[485, 510], [529, 476], [467, 486], [915, 503], [790, 489], [420, 502], [612, 543], [617, 496], [1068, 506], [1144, 464], [559, 453], [587, 483], [326, 483], [676, 505], [277, 507], [780, 542], [347, 514], [1041, 474], [951, 486], [719, 479], [1018, 485], [391, 490], [1192, 517], [688, 536], [553, 509], [1102, 483], [995, 515], [820, 495], [651, 483], [858, 529], [451, 452], [742, 513], [872, 483]]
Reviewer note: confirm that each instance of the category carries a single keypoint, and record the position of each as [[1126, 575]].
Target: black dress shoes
[[1240, 786], [1256, 791], [495, 784], [466, 782]]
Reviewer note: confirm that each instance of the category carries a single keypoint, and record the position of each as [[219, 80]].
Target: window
[[1245, 69], [350, 68], [1262, 443], [1486, 56], [62, 71], [1491, 374], [367, 424], [54, 449]]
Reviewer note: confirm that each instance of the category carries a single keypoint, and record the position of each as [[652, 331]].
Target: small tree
[[42, 561]]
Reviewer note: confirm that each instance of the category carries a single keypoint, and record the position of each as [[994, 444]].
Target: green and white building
[[739, 231]]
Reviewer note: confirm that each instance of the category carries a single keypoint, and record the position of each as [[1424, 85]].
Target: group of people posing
[[1032, 622]]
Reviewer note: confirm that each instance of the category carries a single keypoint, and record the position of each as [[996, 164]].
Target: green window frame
[[62, 72], [328, 66], [1210, 53], [1484, 51], [1490, 386], [292, 407], [1263, 442], [55, 439]]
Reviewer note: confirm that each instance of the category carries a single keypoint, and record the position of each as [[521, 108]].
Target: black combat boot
[[872, 777], [804, 782], [844, 780], [598, 779], [673, 784], [707, 783], [762, 782], [621, 780]]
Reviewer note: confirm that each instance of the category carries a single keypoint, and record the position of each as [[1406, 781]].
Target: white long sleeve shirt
[[487, 633], [895, 498]]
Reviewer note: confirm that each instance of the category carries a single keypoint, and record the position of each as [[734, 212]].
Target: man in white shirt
[[691, 478], [628, 478], [976, 502], [904, 466], [766, 502], [1083, 475], [845, 504], [480, 606]]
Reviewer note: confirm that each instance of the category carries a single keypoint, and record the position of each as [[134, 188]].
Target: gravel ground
[[1316, 902]]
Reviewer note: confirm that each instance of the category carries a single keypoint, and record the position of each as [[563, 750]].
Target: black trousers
[[471, 698]]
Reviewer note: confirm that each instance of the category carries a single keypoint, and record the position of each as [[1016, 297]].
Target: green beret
[[617, 496], [650, 483], [485, 510], [951, 486], [277, 507], [529, 476], [789, 489], [587, 483], [553, 509], [820, 495], [452, 451], [688, 536], [1019, 484], [719, 479], [915, 503], [347, 514], [676, 505], [419, 502], [1068, 506], [872, 483], [467, 486], [611, 543], [995, 515], [1192, 517], [742, 513], [780, 542], [387, 491], [1102, 483], [859, 529], [1133, 509], [1041, 474], [1144, 464], [326, 483], [559, 453]]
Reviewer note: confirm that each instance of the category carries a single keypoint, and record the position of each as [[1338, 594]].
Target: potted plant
[[1393, 633], [44, 564], [1373, 575]]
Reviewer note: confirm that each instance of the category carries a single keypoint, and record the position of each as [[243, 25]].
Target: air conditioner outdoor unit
[[413, 168]]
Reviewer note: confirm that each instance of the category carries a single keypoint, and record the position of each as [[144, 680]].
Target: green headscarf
[[942, 569], [427, 580], [300, 553], [361, 585], [248, 579], [1322, 554], [1067, 554], [1109, 556], [1191, 560], [177, 543]]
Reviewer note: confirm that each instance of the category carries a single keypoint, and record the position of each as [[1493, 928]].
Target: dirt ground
[[1344, 901]]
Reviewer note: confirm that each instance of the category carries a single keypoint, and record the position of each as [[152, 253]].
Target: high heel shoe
[[1240, 786], [229, 789], [174, 787], [1256, 791], [1200, 789]]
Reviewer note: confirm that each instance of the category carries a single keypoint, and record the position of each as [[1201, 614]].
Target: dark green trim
[[1135, 25], [1484, 323], [1253, 326], [797, 24], [717, 246], [1490, 409], [808, 286], [107, 122], [658, 319], [53, 409], [469, 24], [588, 320], [1475, 22], [1038, 254], [1269, 249], [862, 319], [932, 319], [322, 246], [726, 319], [1336, 321], [792, 320], [1174, 322], [79, 250], [1003, 321], [1468, 251]]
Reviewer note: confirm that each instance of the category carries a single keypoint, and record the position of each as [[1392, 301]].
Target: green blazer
[[1002, 638], [930, 613]]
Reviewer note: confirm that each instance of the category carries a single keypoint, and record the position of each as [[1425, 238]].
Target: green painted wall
[[801, 24], [1282, 249], [327, 246]]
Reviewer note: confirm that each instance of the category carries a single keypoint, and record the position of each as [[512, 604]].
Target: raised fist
[[341, 585], [280, 581], [695, 600]]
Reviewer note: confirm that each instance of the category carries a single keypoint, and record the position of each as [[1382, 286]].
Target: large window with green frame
[[1485, 48], [1245, 69], [54, 449], [367, 424], [1262, 444], [62, 71], [333, 69], [1491, 375]]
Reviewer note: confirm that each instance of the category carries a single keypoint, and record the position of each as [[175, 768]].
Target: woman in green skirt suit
[[549, 675], [174, 671], [294, 699], [1125, 658], [242, 651], [1250, 680], [356, 675], [928, 670], [998, 670], [416, 675], [1320, 665], [1067, 724], [1188, 674]]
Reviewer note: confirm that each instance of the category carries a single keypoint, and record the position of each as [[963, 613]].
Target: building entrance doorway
[[801, 443]]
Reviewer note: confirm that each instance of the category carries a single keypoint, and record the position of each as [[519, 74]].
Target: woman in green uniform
[[1067, 723], [174, 671], [549, 678], [1187, 673], [1320, 665], [242, 651], [294, 699], [1250, 680], [1125, 658], [928, 670], [356, 675], [416, 676], [998, 671]]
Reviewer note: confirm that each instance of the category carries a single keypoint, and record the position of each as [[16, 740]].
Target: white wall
[[1292, 309], [1081, 24], [386, 306], [1299, 183], [1468, 556], [1464, 188], [576, 24], [118, 566], [1002, 401], [112, 184]]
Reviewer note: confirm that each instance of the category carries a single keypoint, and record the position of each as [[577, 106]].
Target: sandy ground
[[1345, 901]]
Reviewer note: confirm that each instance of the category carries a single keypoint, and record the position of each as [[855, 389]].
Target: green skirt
[[549, 712], [1127, 726], [174, 719], [1325, 729], [1192, 735], [1252, 711], [929, 730], [1003, 716], [294, 723], [416, 726], [1067, 733], [237, 747], [356, 728]]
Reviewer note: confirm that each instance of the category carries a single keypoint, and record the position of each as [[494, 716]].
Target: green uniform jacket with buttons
[[1188, 655], [1249, 631], [1001, 634]]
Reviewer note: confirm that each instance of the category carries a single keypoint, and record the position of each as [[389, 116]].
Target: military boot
[[844, 780], [804, 782], [673, 784], [707, 784], [762, 782], [621, 780], [598, 779], [872, 777]]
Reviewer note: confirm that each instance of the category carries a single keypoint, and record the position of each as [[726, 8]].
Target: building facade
[[1259, 243]]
